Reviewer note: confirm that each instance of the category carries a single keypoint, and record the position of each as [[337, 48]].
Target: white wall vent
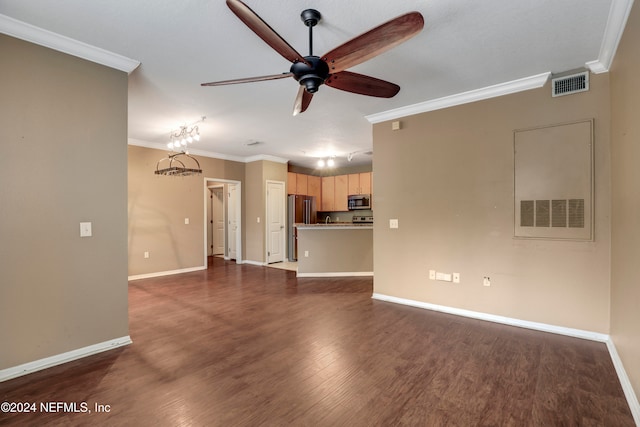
[[567, 85]]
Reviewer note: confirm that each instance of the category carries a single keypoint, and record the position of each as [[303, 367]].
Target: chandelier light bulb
[[189, 139], [196, 137], [170, 145]]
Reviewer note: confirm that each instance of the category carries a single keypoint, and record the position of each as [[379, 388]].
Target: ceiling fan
[[312, 71]]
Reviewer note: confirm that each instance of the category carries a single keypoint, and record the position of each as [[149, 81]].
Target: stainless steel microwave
[[359, 201]]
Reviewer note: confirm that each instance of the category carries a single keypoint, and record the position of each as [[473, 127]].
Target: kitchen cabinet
[[314, 188], [360, 183], [297, 183], [341, 193], [291, 182], [328, 193], [301, 184]]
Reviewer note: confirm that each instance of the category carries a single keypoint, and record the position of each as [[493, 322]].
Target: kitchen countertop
[[335, 225]]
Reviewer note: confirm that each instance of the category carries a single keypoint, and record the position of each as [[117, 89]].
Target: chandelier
[[180, 139], [176, 163]]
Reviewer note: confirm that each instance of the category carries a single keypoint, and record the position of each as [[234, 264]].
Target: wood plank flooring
[[242, 345]]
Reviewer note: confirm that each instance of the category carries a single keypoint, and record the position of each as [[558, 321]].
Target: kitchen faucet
[[327, 219]]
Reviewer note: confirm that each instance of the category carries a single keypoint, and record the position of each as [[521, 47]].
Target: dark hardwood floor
[[241, 345]]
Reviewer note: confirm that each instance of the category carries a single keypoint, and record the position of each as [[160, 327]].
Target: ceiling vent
[[567, 85]]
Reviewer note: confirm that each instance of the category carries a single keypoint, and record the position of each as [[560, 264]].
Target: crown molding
[[33, 34], [266, 157], [532, 82], [617, 20], [211, 154]]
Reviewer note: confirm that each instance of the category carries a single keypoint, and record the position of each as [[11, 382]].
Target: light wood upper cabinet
[[301, 185], [341, 193], [328, 193], [354, 183], [297, 184], [291, 182], [314, 188], [360, 183], [331, 192], [365, 183]]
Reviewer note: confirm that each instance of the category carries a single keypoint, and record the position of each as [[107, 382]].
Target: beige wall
[[447, 176], [158, 206], [258, 173], [255, 208], [625, 180], [63, 128]]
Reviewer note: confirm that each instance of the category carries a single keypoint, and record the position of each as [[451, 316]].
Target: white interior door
[[276, 231], [232, 221], [217, 221]]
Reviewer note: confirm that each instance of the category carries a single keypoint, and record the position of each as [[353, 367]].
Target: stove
[[357, 219]]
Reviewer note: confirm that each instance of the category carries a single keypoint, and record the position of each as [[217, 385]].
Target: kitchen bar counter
[[335, 249], [335, 225]]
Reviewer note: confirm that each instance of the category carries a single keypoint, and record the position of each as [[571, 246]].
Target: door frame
[[267, 220], [213, 189], [212, 181]]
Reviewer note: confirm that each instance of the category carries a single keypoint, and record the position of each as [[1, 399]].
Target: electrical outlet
[[306, 254], [432, 274], [258, 220], [146, 254], [445, 277], [393, 223], [486, 281], [186, 221], [456, 277]]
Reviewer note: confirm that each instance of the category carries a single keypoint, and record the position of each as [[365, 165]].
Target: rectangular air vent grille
[[552, 213], [570, 84]]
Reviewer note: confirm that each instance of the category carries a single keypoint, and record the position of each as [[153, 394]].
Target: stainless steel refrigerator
[[301, 210]]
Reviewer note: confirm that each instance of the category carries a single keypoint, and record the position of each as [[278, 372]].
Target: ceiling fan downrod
[[310, 17]]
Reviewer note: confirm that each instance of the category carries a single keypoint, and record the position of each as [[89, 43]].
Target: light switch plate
[[85, 229], [393, 223], [186, 221]]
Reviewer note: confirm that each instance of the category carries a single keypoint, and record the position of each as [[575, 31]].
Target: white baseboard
[[166, 273], [630, 395], [578, 333], [59, 359], [632, 399], [338, 274], [259, 263]]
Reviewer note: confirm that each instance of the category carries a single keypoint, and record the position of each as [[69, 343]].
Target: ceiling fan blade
[[264, 31], [248, 80], [303, 99], [363, 85], [374, 42]]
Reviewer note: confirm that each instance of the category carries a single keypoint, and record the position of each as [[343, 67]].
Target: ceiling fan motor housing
[[310, 76]]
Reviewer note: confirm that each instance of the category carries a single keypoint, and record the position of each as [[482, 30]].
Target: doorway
[[217, 231], [223, 225]]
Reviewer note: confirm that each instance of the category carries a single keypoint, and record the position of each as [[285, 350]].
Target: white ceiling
[[465, 45]]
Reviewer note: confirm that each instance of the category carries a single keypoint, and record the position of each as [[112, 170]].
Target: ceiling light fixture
[[330, 162], [181, 138], [179, 141]]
